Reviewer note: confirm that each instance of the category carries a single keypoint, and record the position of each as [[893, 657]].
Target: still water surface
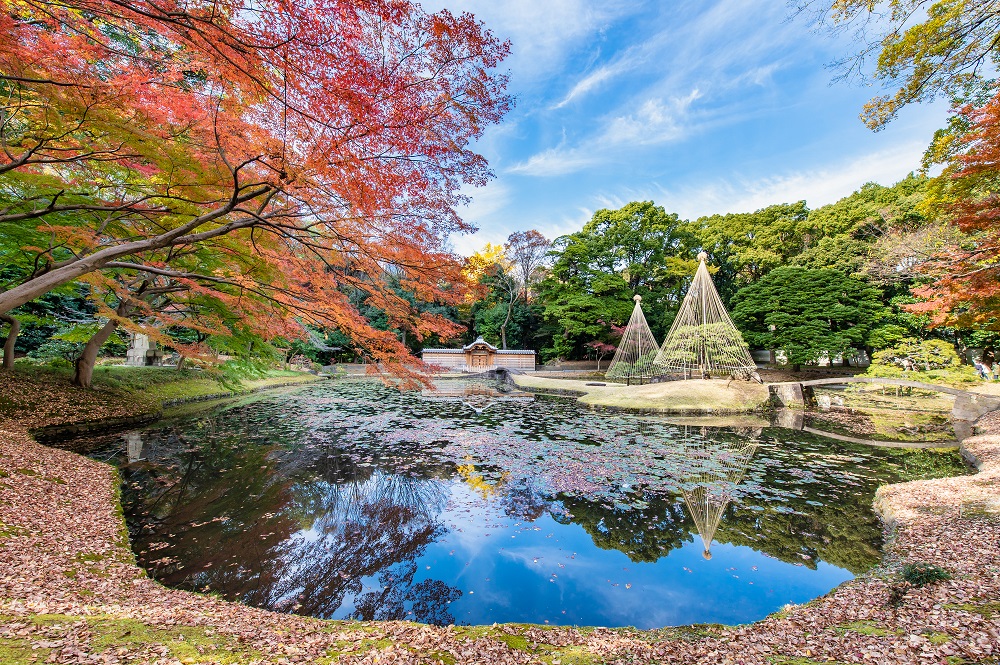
[[351, 500]]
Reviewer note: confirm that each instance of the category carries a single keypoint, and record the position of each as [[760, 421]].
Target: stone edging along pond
[[70, 592]]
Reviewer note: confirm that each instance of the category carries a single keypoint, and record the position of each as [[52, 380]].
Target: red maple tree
[[965, 286], [329, 140]]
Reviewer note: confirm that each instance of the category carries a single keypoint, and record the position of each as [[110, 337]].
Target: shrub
[[924, 354], [59, 352], [886, 336], [931, 361], [921, 574]]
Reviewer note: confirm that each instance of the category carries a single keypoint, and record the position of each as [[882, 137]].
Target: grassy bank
[[684, 397], [39, 396]]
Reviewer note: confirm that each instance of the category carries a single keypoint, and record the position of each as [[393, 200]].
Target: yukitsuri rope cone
[[717, 469], [637, 350], [703, 340]]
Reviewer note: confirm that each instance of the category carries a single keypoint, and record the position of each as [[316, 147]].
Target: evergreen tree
[[807, 313]]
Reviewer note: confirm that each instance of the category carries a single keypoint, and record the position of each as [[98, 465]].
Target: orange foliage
[[312, 147], [966, 287]]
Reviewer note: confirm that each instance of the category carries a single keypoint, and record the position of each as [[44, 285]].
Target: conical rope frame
[[703, 340], [717, 470], [636, 353]]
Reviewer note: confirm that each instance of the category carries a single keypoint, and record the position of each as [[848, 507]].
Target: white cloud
[[594, 79], [486, 203], [656, 121], [542, 33], [556, 161], [817, 187], [588, 83], [714, 53]]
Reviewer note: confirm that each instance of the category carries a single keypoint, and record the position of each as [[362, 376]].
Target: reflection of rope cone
[[722, 468]]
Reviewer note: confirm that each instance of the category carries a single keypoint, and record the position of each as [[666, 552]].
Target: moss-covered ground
[[42, 396]]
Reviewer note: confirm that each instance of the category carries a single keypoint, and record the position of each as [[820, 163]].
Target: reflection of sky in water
[[544, 571], [351, 500]]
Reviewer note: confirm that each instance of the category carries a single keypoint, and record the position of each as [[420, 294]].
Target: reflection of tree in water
[[361, 524], [525, 500], [218, 514], [645, 529], [301, 512], [209, 513], [705, 464]]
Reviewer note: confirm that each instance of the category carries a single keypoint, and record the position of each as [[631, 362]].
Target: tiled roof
[[480, 340], [509, 352]]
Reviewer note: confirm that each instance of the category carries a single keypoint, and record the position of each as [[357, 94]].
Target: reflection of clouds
[[636, 461], [343, 518], [471, 536]]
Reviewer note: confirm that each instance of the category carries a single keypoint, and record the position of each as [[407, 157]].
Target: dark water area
[[352, 500]]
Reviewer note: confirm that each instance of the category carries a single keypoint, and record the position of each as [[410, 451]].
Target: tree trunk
[[8, 347], [180, 363], [503, 328], [85, 363]]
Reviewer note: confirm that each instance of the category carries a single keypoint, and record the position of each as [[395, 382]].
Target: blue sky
[[702, 107]]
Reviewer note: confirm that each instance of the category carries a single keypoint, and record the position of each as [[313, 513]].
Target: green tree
[[503, 313], [942, 55], [807, 313], [843, 234], [746, 246], [639, 248], [928, 360]]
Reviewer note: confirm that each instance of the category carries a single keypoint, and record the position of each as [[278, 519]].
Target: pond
[[352, 500]]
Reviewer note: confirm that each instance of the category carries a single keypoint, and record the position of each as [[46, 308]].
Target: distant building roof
[[479, 341]]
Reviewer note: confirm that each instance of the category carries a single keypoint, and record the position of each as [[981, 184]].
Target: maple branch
[[166, 272], [21, 79]]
